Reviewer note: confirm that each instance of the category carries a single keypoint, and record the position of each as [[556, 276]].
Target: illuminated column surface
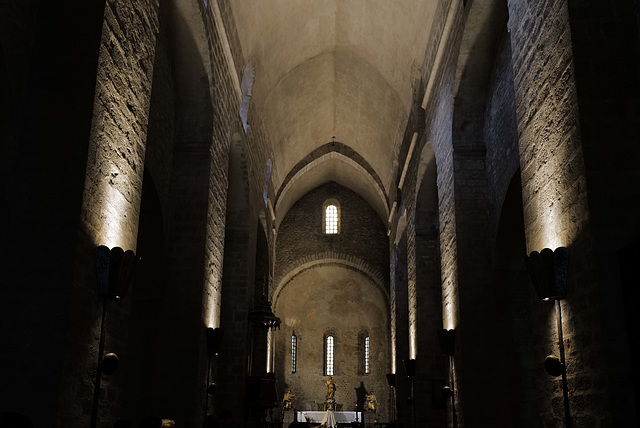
[[113, 185]]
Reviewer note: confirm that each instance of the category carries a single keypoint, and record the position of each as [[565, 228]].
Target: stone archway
[[338, 299]]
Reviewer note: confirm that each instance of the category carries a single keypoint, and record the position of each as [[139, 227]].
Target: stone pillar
[[111, 201], [555, 205]]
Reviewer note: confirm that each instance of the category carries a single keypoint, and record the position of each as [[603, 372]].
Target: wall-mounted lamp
[[548, 270], [392, 382], [214, 339], [114, 270], [447, 340], [410, 369]]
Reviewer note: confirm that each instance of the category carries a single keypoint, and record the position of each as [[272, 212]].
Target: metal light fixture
[[391, 381], [214, 338], [548, 270], [447, 340], [114, 270], [410, 369]]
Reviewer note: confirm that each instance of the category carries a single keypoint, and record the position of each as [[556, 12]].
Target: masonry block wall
[[362, 234], [359, 253], [432, 366], [438, 132], [111, 202], [555, 202], [336, 300]]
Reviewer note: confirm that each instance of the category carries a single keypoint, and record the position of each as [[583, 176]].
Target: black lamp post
[[114, 271], [448, 344], [391, 381], [214, 337], [548, 271], [410, 369]]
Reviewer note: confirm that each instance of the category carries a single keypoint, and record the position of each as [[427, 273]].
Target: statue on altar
[[371, 402], [287, 400], [331, 388]]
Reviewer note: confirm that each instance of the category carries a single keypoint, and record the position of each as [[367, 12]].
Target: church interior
[[241, 213]]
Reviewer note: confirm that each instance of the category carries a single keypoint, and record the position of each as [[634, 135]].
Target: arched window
[[364, 353], [294, 352], [331, 217], [329, 349]]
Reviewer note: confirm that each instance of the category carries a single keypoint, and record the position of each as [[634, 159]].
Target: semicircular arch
[[329, 258]]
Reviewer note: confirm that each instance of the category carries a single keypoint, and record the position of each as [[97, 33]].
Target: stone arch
[[329, 258], [486, 23], [317, 168], [191, 66], [331, 299], [147, 326], [510, 287], [426, 289]]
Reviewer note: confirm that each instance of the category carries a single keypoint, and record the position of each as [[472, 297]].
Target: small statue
[[371, 402], [331, 388], [287, 400]]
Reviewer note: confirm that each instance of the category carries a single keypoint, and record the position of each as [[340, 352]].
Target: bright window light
[[329, 357], [331, 220]]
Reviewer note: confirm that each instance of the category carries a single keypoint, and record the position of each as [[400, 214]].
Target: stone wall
[[111, 202], [332, 299], [362, 234], [555, 204]]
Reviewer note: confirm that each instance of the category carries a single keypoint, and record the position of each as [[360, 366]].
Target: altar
[[318, 417]]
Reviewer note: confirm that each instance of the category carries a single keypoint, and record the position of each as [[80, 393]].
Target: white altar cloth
[[341, 417]]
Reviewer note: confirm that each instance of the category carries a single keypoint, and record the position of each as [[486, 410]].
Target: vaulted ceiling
[[334, 68]]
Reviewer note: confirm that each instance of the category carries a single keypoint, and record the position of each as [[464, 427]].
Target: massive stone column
[[111, 201], [555, 205]]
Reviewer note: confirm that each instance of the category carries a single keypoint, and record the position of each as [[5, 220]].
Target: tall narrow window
[[329, 356], [294, 352], [366, 355], [331, 217]]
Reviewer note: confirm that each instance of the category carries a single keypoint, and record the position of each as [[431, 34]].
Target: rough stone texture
[[344, 302], [111, 201], [237, 288], [455, 239], [399, 302], [361, 233], [500, 129], [555, 201]]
